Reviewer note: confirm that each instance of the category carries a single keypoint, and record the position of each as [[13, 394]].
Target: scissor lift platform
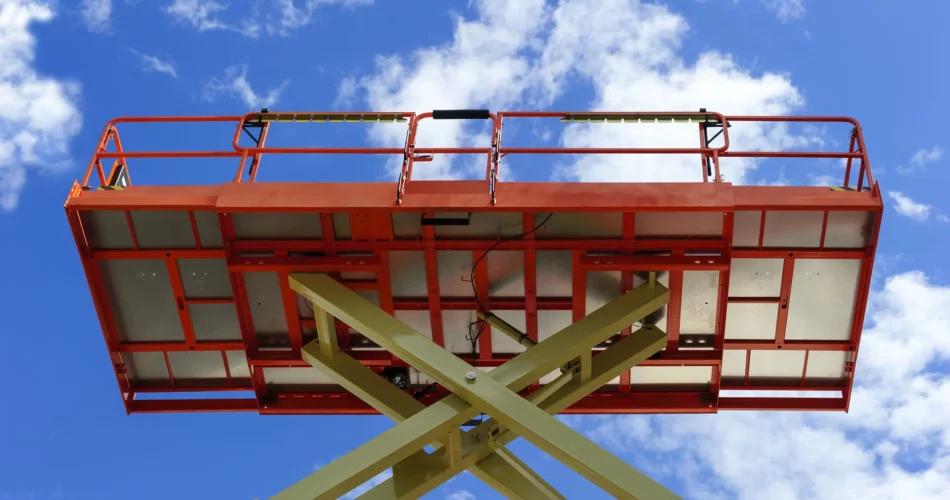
[[209, 289]]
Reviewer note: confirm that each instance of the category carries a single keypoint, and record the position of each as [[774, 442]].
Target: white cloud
[[626, 49], [345, 92], [943, 218], [235, 83], [95, 15], [894, 444], [786, 10], [908, 207], [485, 64], [278, 17], [461, 495], [921, 159], [203, 15], [292, 16], [40, 115], [153, 63]]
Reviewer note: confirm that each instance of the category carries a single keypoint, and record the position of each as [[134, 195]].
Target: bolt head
[[470, 376]]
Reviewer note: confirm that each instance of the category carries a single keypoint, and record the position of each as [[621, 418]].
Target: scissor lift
[[434, 302]]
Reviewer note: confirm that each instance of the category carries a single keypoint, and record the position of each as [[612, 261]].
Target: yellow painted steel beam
[[606, 366], [492, 392], [396, 404], [326, 331]]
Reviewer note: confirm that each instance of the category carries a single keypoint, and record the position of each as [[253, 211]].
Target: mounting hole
[[191, 347], [168, 255], [791, 255], [779, 347]]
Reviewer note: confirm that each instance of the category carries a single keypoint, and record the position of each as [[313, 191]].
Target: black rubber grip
[[461, 114]]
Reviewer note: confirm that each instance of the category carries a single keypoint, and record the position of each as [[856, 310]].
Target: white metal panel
[[821, 305], [848, 229], [700, 295], [505, 273], [215, 321], [755, 278], [751, 321], [776, 364], [745, 232], [163, 228], [142, 301], [649, 375], [826, 364], [106, 229], [503, 343], [679, 224], [792, 229], [455, 273], [733, 363]]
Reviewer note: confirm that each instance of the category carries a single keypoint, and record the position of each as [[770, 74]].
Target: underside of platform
[[767, 286]]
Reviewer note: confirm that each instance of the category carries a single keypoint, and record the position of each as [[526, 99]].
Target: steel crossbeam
[[416, 471]]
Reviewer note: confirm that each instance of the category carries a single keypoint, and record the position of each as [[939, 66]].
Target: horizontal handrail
[[493, 152]]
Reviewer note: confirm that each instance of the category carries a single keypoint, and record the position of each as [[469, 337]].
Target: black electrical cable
[[472, 334]]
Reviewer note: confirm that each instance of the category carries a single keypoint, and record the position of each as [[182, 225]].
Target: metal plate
[[276, 226], [106, 229], [554, 274], [209, 231], [145, 366], [848, 229], [580, 225], [205, 278], [237, 365], [823, 297], [267, 305], [745, 229], [792, 229], [755, 278], [679, 224], [659, 375], [407, 271], [295, 376], [503, 343], [700, 296], [602, 287], [826, 365], [455, 272], [407, 225], [455, 330], [163, 229], [481, 225], [733, 364], [506, 274], [215, 322], [776, 364], [751, 321], [551, 322], [206, 365], [341, 226], [141, 298], [419, 321]]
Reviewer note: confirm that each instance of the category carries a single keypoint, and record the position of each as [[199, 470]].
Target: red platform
[[768, 285]]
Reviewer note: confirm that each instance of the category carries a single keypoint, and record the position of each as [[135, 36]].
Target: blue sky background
[[66, 68]]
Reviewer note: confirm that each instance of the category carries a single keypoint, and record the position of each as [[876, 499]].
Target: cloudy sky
[[67, 67]]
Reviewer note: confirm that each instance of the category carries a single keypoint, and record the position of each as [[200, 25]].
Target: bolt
[[470, 376]]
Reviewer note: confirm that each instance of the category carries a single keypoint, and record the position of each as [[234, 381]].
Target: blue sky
[[68, 67]]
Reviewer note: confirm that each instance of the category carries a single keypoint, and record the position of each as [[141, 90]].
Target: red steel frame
[[376, 200]]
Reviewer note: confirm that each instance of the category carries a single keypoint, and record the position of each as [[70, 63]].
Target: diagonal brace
[[511, 477], [488, 391], [607, 365]]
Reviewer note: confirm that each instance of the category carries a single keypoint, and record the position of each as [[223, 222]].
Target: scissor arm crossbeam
[[475, 392]]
